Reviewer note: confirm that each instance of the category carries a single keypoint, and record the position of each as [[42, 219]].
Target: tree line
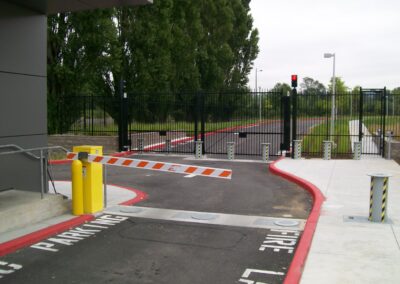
[[310, 86], [170, 46]]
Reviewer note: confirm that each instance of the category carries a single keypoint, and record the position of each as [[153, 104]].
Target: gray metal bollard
[[378, 197], [327, 147], [297, 149], [199, 149], [168, 145], [140, 142], [357, 150], [265, 151], [231, 150]]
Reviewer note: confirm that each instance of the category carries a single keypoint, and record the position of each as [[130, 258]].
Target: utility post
[[123, 121]]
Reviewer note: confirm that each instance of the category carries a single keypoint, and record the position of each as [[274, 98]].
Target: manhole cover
[[286, 223], [203, 216], [130, 210]]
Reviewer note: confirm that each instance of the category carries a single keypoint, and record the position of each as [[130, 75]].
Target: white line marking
[[190, 176]]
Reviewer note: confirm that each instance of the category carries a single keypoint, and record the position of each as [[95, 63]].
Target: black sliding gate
[[173, 122]]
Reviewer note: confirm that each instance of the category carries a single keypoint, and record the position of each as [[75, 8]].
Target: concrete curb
[[32, 238], [296, 267]]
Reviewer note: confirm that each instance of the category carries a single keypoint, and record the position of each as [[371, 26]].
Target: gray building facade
[[23, 81]]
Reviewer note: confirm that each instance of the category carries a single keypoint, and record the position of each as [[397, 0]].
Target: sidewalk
[[368, 145], [117, 195], [346, 247]]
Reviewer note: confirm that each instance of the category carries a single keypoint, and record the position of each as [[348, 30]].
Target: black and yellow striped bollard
[[378, 197]]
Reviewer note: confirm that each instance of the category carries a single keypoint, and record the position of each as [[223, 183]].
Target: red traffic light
[[294, 81]]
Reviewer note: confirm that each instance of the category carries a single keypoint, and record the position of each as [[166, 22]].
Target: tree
[[309, 86], [171, 46], [356, 90], [340, 86], [282, 87], [396, 91]]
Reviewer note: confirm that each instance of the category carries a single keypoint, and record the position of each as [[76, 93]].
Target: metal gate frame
[[370, 107]]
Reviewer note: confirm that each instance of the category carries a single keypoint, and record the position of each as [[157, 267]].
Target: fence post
[[203, 122], [168, 145], [327, 147], [140, 142], [378, 197], [199, 149], [231, 150], [389, 149], [294, 114], [360, 134], [384, 113], [286, 123], [357, 150], [265, 151], [297, 149]]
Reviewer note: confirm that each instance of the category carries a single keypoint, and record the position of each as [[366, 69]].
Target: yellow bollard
[[77, 187], [92, 180]]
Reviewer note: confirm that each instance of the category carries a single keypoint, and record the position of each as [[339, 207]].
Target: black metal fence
[[365, 116], [172, 122]]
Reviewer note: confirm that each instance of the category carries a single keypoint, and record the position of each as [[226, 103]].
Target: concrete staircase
[[21, 208]]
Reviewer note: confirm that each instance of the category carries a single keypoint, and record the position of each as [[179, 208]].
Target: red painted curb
[[32, 238], [140, 195], [296, 267]]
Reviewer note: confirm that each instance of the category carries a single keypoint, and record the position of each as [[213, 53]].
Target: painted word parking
[[67, 238], [75, 235]]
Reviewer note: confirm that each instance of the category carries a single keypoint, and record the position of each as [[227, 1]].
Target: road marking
[[190, 176], [8, 268], [189, 216], [281, 240], [248, 271], [77, 234]]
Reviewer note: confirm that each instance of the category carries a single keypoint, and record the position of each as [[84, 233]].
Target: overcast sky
[[294, 35]]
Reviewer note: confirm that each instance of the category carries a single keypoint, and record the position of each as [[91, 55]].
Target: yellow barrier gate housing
[[92, 180]]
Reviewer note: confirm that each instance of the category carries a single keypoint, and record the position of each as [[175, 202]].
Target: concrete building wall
[[23, 107]]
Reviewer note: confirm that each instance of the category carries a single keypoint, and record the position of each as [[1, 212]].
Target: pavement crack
[[394, 234], [330, 180]]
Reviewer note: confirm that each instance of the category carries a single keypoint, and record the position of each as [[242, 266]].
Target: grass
[[188, 127], [392, 123], [312, 142]]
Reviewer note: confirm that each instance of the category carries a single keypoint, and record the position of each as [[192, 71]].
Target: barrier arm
[[156, 166]]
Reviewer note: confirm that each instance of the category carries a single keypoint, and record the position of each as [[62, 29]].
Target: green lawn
[[188, 127], [392, 123], [312, 142]]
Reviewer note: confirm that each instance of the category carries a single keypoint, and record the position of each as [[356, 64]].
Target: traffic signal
[[294, 81]]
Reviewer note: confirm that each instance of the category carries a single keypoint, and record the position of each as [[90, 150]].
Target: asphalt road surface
[[247, 145], [125, 248]]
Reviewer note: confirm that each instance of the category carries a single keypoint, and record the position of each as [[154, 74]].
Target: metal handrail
[[28, 152]]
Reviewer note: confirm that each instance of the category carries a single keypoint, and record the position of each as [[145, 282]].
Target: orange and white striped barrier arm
[[157, 166]]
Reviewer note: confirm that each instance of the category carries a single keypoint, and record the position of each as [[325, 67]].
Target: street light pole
[[333, 110], [259, 95]]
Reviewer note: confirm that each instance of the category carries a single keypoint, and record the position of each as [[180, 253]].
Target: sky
[[294, 35]]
